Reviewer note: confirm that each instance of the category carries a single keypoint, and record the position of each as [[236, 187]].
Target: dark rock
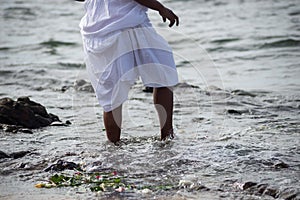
[[261, 188], [10, 128], [288, 195], [53, 117], [248, 184], [62, 165], [270, 192], [291, 197], [265, 190], [24, 113], [42, 121], [65, 88], [14, 155], [4, 119], [3, 155], [242, 93], [37, 108], [19, 154], [281, 165], [235, 112]]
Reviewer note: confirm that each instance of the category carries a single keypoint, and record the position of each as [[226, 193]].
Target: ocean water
[[236, 112]]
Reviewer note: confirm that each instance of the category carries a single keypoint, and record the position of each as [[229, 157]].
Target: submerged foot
[[167, 135]]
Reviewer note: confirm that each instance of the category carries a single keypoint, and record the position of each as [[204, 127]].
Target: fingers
[[164, 19], [172, 22], [173, 18], [177, 20], [168, 14]]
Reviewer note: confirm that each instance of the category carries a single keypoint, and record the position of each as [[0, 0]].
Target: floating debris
[[97, 181]]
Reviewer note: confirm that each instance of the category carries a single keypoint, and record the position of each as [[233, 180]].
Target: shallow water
[[236, 110]]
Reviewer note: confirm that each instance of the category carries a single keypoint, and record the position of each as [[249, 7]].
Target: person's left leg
[[112, 122], [163, 100]]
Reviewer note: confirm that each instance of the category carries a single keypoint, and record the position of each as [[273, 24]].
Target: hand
[[166, 13]]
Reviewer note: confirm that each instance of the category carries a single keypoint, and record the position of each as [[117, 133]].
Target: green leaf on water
[[117, 180], [58, 179], [105, 182], [164, 187], [96, 189]]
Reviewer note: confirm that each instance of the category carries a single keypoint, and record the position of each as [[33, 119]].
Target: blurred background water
[[236, 109]]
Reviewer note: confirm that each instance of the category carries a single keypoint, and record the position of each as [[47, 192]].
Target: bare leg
[[112, 123], [163, 100]]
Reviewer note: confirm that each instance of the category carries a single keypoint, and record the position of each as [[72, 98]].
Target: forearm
[[152, 4]]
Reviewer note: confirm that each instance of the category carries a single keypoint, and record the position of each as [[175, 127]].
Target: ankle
[[113, 137], [169, 134]]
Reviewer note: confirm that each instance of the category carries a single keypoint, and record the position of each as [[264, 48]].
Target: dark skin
[[163, 101]]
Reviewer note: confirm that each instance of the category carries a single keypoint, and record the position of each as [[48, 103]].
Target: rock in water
[[82, 85], [62, 165], [281, 165], [14, 155], [3, 155], [19, 154], [25, 113]]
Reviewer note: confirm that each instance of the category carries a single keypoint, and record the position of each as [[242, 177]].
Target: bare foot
[[168, 135]]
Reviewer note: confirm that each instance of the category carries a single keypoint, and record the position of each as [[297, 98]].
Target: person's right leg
[[112, 122], [163, 100]]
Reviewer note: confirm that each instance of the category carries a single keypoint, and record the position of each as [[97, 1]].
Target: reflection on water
[[236, 110]]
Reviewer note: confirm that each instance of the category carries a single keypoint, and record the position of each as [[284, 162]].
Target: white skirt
[[115, 62]]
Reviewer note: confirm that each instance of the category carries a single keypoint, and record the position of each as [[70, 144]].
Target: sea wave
[[282, 43]]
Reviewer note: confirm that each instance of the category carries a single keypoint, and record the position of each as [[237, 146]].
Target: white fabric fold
[[120, 46]]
